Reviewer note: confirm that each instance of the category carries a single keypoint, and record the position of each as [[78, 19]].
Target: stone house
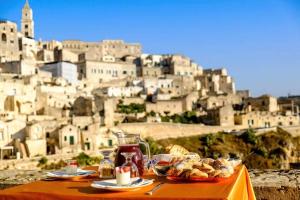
[[211, 102], [128, 91], [263, 103], [69, 139], [167, 107], [216, 81], [98, 71], [65, 70], [35, 139], [263, 119], [220, 116], [9, 41]]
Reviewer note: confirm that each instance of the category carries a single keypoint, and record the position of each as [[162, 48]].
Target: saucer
[[64, 175], [111, 185]]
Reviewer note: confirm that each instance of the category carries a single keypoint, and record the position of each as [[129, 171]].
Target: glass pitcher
[[130, 143]]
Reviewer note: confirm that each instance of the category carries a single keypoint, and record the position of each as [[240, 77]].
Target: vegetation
[[249, 137], [131, 108], [82, 160], [189, 117], [85, 160], [43, 161], [268, 150]]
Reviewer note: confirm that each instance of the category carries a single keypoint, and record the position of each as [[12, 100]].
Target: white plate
[[63, 175], [111, 184]]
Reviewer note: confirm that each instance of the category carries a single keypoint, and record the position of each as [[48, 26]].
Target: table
[[238, 186]]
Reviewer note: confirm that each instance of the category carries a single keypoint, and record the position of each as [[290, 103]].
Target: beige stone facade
[[97, 72], [263, 119], [262, 103], [167, 107], [9, 50], [69, 139], [27, 23], [216, 81]]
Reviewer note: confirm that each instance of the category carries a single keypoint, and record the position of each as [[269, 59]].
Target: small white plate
[[111, 185], [64, 175]]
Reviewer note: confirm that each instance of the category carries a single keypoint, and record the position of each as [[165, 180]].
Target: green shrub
[[249, 137], [155, 148], [43, 161], [131, 108], [262, 151], [208, 140], [152, 113]]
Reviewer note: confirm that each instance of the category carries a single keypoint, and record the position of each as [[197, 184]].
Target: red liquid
[[137, 158]]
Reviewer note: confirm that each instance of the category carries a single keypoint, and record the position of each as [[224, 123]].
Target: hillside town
[[68, 96]]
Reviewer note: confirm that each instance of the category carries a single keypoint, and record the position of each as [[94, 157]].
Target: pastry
[[196, 173], [177, 150]]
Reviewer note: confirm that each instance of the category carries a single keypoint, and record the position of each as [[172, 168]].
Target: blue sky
[[258, 41]]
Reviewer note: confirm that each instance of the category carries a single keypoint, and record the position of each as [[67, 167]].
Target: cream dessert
[[71, 167], [123, 175]]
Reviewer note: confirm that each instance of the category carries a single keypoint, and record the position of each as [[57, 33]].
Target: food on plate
[[198, 173], [177, 150], [203, 168]]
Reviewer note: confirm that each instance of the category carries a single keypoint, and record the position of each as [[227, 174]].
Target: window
[[26, 34], [3, 37], [71, 140], [1, 136], [26, 26], [12, 30], [110, 143], [65, 138], [124, 72]]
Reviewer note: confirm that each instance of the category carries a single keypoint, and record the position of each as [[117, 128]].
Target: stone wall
[[172, 130], [31, 163]]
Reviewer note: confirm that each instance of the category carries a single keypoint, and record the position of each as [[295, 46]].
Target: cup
[[123, 175], [71, 167]]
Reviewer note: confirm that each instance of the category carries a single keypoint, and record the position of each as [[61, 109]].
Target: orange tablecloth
[[238, 186]]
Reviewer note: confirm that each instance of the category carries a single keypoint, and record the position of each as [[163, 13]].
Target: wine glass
[[134, 172]]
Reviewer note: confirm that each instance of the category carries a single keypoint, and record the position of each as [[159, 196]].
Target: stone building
[[173, 106], [158, 65], [97, 72], [220, 116], [129, 91], [35, 139], [27, 23], [97, 50], [288, 106], [216, 81], [65, 55], [69, 139], [211, 102], [262, 103], [9, 44], [263, 119], [21, 67], [65, 70]]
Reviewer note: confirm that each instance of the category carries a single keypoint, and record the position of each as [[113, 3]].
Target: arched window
[[3, 37]]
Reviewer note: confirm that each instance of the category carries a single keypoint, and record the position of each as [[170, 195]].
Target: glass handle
[[147, 149]]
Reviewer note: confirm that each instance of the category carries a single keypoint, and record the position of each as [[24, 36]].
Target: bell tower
[[27, 24]]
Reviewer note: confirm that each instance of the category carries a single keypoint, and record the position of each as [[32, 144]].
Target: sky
[[258, 41]]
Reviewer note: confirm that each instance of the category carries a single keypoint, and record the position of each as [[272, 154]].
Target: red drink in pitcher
[[137, 157], [129, 143]]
